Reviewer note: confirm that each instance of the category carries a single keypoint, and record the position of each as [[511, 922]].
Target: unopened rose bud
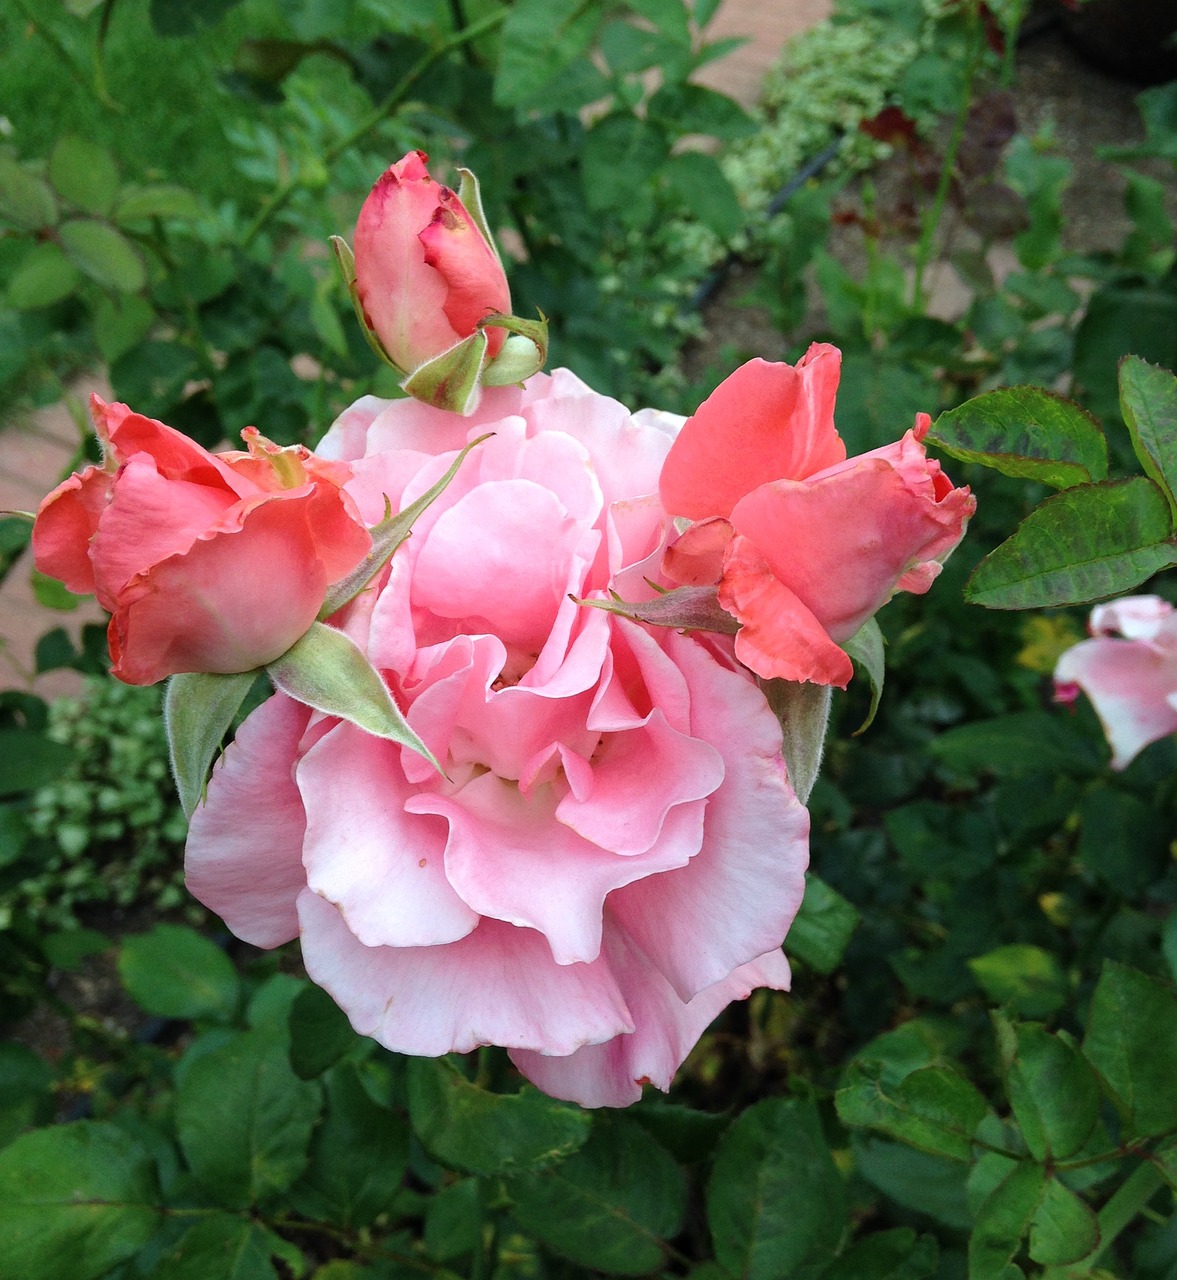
[[430, 289]]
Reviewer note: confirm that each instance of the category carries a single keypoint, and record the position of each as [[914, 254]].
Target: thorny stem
[[282, 196]]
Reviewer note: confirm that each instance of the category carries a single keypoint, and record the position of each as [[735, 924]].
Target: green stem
[[282, 196], [948, 168]]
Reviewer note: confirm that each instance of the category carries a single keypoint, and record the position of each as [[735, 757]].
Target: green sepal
[[684, 608], [387, 536], [198, 709], [865, 648], [453, 379], [803, 710], [347, 265], [525, 351], [470, 194], [326, 670]]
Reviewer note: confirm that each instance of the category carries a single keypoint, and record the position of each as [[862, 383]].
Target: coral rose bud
[[206, 562], [430, 289]]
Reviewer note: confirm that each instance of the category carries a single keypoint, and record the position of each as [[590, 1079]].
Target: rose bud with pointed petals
[[206, 562], [1129, 671], [804, 543]]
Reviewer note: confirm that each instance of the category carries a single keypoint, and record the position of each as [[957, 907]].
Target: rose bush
[[1129, 671], [613, 852], [805, 544], [206, 562]]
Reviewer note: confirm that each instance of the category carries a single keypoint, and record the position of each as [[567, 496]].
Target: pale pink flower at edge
[[614, 852], [1129, 671], [804, 544]]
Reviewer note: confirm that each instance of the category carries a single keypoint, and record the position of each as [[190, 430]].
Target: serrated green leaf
[[26, 201], [468, 1128], [1148, 401], [1081, 545], [84, 173], [357, 1159], [1027, 979], [453, 1221], [898, 1254], [320, 1033], [175, 972], [620, 152], [1024, 742], [703, 188], [1052, 1090], [822, 929], [610, 1205], [198, 709], [1131, 1041], [42, 277], [224, 1246], [256, 1158], [775, 1202], [83, 1193], [1063, 1229], [932, 1109], [1025, 432], [326, 670], [671, 17], [540, 39], [104, 254], [1003, 1220]]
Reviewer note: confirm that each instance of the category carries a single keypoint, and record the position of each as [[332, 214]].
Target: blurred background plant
[[974, 1073]]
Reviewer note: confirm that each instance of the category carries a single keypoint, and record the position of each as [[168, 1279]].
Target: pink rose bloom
[[805, 544], [425, 273], [1128, 670], [614, 852], [206, 562]]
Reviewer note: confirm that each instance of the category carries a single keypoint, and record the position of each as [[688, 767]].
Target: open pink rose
[[1129, 671], [805, 544], [206, 562], [426, 275], [613, 853]]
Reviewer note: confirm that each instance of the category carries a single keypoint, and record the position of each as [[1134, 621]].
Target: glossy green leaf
[[358, 1156], [453, 1221], [1002, 1221], [325, 669], [930, 1184], [258, 1156], [320, 1033], [610, 1205], [1131, 1041], [1165, 1157], [1052, 1090], [198, 709], [81, 1195], [1025, 432], [26, 1097], [1063, 1229], [1029, 980], [1148, 401], [176, 972], [229, 1248], [1078, 546], [468, 1128], [540, 39], [933, 1108], [776, 1202], [26, 201], [898, 1254], [104, 254], [84, 173], [1024, 742], [42, 277], [823, 927]]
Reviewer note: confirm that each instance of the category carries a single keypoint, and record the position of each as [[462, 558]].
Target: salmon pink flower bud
[[804, 543], [206, 562], [430, 290], [1129, 671]]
